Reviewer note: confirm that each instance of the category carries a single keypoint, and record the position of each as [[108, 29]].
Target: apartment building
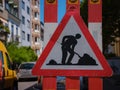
[[3, 21], [25, 24], [12, 7], [3, 12], [35, 26]]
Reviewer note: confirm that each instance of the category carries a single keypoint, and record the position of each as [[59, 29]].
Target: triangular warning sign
[[72, 51]]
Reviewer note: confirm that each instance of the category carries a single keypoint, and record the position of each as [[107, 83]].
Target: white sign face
[[72, 51]]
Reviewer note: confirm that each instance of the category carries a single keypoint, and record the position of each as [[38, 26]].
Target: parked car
[[8, 77], [25, 71]]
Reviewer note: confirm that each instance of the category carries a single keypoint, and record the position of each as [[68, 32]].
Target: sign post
[[73, 83], [49, 83], [50, 24], [95, 27], [95, 83]]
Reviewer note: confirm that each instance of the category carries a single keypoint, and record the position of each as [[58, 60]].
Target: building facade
[[25, 24], [3, 21], [12, 7], [35, 26]]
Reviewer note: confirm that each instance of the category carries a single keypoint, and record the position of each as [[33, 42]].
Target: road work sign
[[72, 51]]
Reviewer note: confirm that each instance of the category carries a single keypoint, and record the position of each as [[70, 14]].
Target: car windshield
[[27, 66]]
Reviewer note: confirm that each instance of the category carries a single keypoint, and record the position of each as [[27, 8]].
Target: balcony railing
[[36, 21], [36, 45], [36, 34], [10, 1], [35, 9]]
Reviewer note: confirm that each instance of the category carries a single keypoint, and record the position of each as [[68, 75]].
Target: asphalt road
[[26, 85], [32, 85]]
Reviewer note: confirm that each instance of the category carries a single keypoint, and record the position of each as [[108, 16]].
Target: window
[[9, 64], [17, 36], [23, 20], [37, 51], [27, 66], [1, 56], [35, 39], [35, 14], [28, 37], [36, 27], [16, 30], [1, 2], [23, 5], [7, 6], [28, 10], [12, 32], [28, 23], [23, 35], [42, 34]]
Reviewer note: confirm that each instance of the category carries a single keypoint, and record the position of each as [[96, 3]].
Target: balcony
[[35, 9], [10, 2], [1, 8], [3, 35], [15, 6], [36, 18], [36, 21], [35, 45], [36, 33]]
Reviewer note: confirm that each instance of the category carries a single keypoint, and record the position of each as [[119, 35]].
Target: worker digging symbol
[[67, 46]]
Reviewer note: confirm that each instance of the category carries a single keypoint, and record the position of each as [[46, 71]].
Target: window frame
[[23, 20], [23, 35], [28, 10], [9, 63], [1, 57], [23, 5]]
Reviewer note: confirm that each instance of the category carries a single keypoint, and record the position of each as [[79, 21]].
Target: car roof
[[28, 62]]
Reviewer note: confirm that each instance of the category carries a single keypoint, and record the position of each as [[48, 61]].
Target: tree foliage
[[4, 28], [21, 54], [110, 20], [84, 10]]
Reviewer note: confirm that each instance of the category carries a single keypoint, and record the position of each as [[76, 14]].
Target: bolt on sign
[[50, 1], [72, 1], [95, 1]]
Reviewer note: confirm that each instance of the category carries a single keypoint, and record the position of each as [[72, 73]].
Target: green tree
[[111, 21], [84, 11], [21, 54]]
